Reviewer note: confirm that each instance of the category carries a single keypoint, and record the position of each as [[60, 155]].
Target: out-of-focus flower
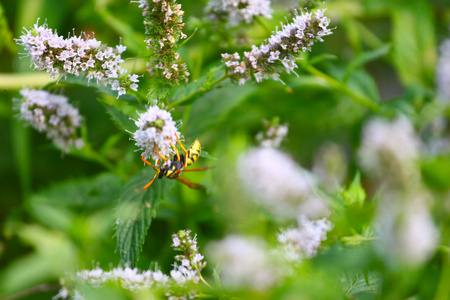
[[279, 52], [304, 240], [53, 115], [279, 183], [77, 55], [245, 262], [237, 11], [163, 21], [443, 71], [390, 150], [273, 134], [156, 131], [408, 234]]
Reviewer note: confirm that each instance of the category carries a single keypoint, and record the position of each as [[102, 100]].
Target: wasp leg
[[190, 184], [146, 161], [149, 184], [184, 149], [159, 154], [176, 150]]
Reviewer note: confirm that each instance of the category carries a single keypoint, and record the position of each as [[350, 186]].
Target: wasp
[[173, 168]]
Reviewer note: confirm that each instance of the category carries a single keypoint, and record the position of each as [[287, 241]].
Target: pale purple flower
[[76, 55], [279, 51], [53, 115]]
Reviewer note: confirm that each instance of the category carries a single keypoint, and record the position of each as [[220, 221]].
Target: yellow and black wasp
[[172, 168]]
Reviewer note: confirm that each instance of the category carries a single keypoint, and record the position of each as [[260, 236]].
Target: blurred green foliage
[[61, 213]]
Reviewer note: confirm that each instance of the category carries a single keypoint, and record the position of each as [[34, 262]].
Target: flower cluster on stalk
[[53, 115], [77, 55], [179, 285], [157, 132], [278, 52], [273, 134], [237, 11], [190, 262], [163, 20]]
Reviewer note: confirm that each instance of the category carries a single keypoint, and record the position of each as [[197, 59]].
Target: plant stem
[[342, 87], [197, 92]]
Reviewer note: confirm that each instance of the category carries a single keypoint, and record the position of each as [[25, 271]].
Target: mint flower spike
[[53, 115], [77, 55], [278, 52], [238, 11], [156, 130], [163, 21]]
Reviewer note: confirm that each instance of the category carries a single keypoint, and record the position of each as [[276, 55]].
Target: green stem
[[201, 277], [342, 87], [197, 92]]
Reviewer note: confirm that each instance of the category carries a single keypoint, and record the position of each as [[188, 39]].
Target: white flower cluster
[[156, 130], [304, 240], [279, 183], [53, 115], [76, 55], [407, 233], [273, 136], [163, 20], [238, 11], [245, 262], [191, 260], [134, 279], [389, 148], [280, 50], [443, 71]]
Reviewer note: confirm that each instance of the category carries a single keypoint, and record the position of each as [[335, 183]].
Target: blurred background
[[41, 240]]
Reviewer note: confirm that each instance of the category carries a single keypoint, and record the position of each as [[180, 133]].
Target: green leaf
[[122, 120], [362, 83], [414, 41], [6, 36], [88, 193], [361, 283], [364, 58], [135, 211], [214, 105], [194, 89], [355, 193]]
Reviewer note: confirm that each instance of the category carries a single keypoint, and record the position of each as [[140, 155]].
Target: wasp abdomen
[[193, 152]]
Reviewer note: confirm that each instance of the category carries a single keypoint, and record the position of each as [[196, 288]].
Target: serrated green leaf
[[364, 58], [361, 283], [89, 193], [122, 120], [194, 89], [213, 106], [135, 211], [362, 83]]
